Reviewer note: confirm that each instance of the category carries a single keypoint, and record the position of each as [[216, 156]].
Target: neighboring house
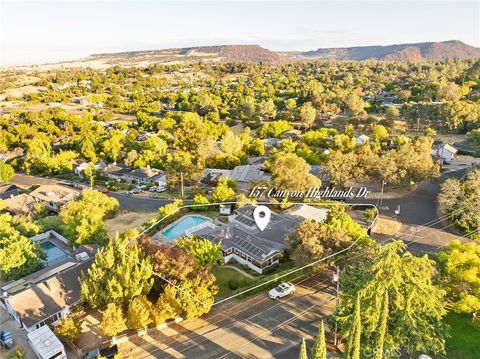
[[145, 176], [443, 151], [45, 344], [21, 204], [211, 176], [360, 140], [55, 196], [243, 241], [258, 161], [50, 294], [55, 246], [249, 173], [272, 142], [8, 191], [82, 166], [116, 172]]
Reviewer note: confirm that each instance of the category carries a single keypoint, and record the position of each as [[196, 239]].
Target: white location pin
[[261, 215]]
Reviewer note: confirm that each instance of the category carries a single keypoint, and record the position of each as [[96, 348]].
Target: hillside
[[244, 53], [403, 52]]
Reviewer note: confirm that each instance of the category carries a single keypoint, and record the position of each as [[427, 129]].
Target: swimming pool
[[178, 228], [54, 254]]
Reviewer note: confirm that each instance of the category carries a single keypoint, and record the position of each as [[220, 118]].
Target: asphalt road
[[128, 202], [257, 327]]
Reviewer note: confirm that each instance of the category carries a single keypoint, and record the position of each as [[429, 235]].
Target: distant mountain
[[404, 52], [243, 53]]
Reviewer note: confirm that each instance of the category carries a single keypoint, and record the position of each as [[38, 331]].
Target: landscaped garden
[[229, 280]]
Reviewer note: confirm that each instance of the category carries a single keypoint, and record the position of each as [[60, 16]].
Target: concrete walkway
[[248, 275]]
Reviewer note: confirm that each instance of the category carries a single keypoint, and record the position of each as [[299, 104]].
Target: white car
[[157, 189], [282, 290]]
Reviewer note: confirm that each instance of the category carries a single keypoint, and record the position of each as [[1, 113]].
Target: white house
[[145, 176], [360, 140], [443, 151], [55, 196]]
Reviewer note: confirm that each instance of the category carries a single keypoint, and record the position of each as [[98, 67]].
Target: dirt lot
[[128, 220]]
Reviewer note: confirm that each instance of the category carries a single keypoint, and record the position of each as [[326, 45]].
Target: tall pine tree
[[382, 330], [319, 350], [353, 348], [303, 350]]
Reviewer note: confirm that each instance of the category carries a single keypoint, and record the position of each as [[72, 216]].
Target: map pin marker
[[261, 215]]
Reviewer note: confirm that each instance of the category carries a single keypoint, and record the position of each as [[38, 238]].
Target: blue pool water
[[54, 254], [179, 228]]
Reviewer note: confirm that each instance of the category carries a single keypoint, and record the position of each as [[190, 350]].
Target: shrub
[[233, 284], [70, 327]]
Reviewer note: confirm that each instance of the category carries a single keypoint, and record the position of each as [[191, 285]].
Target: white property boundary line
[[248, 203]]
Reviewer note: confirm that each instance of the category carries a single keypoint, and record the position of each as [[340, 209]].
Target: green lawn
[[224, 276], [464, 341]]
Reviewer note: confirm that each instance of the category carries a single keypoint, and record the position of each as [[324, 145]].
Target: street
[[257, 327]]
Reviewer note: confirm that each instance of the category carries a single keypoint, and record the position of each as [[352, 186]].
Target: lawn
[[225, 276], [464, 341]]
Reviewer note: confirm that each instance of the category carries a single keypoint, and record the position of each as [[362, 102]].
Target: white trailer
[[45, 344]]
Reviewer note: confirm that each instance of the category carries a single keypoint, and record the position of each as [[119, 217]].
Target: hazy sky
[[40, 31]]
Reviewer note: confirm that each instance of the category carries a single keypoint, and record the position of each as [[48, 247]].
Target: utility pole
[[336, 279], [381, 196], [181, 183]]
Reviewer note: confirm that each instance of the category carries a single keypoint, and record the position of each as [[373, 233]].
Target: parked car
[[157, 189], [6, 340], [282, 290], [134, 191], [104, 353], [105, 190]]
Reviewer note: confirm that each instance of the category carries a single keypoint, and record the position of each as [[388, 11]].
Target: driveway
[[257, 327], [19, 335]]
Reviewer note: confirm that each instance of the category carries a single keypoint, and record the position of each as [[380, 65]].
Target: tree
[[342, 167], [83, 219], [307, 114], [206, 252], [379, 134], [319, 349], [382, 328], [70, 327], [200, 202], [6, 172], [291, 172], [354, 335], [460, 199], [113, 321], [222, 192], [274, 129], [416, 308], [391, 115], [460, 268], [474, 136], [138, 314], [312, 240], [231, 144], [119, 273], [303, 350], [18, 353], [19, 256]]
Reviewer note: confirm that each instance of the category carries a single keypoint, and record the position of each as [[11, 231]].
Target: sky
[[42, 32]]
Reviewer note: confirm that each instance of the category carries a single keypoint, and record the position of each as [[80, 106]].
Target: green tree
[[307, 114], [355, 332], [18, 353], [200, 202], [206, 252], [416, 308], [6, 172], [70, 327], [319, 349], [460, 268], [303, 350], [382, 328], [222, 192], [113, 320], [119, 273], [139, 313], [83, 219], [291, 172]]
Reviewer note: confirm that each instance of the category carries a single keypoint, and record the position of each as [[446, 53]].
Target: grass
[[387, 226], [226, 275], [464, 340]]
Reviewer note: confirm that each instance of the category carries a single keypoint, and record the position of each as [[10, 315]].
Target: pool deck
[[161, 238]]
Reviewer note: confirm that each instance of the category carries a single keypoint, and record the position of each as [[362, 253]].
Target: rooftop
[[55, 193]]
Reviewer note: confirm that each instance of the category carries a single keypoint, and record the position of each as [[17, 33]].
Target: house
[[272, 142], [50, 294], [145, 176], [79, 168], [54, 196], [244, 242], [362, 139], [19, 205], [45, 344], [249, 173], [211, 176], [8, 191], [443, 151], [116, 171]]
